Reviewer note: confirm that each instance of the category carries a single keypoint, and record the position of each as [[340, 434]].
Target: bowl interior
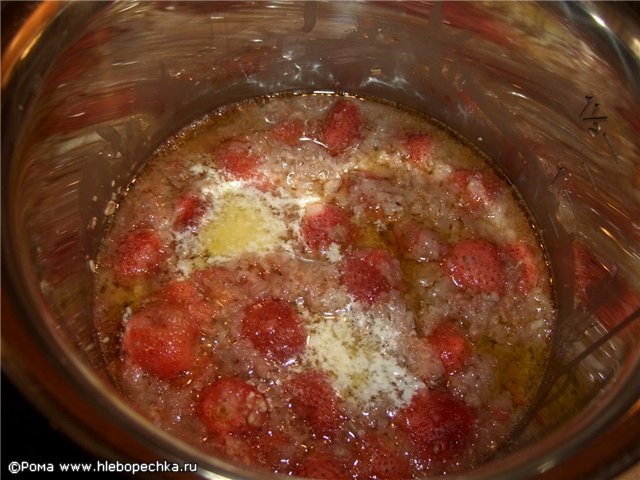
[[549, 92]]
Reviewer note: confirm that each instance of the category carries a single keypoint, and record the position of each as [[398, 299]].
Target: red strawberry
[[526, 273], [589, 272], [214, 279], [619, 307], [181, 291], [231, 405], [451, 346], [185, 293], [274, 329], [370, 273], [272, 447], [341, 127], [236, 160], [139, 253], [417, 242], [477, 188], [324, 224], [475, 265], [314, 400], [597, 287], [321, 466], [377, 461], [189, 209], [162, 340], [288, 132], [440, 426], [419, 148], [69, 116]]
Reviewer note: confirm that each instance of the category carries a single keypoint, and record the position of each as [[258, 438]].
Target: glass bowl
[[549, 91]]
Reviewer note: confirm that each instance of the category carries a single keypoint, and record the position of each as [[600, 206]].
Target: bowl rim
[[59, 384]]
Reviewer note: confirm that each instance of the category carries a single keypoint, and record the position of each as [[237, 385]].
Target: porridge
[[327, 287]]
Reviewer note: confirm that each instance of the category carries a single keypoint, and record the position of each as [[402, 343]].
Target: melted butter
[[242, 225], [518, 368]]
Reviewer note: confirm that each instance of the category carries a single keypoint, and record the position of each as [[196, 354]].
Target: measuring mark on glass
[[567, 195], [561, 171], [591, 114], [585, 167]]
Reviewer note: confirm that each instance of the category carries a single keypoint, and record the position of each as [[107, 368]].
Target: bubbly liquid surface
[[327, 287]]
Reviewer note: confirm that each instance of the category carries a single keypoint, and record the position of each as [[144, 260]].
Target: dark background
[[28, 436]]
